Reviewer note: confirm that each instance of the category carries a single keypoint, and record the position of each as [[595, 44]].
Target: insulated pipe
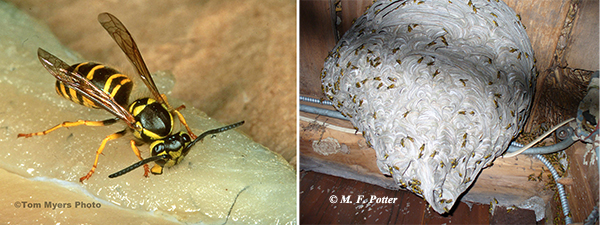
[[547, 149], [321, 111]]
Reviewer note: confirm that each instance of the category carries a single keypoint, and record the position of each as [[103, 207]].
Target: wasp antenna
[[214, 131], [136, 165]]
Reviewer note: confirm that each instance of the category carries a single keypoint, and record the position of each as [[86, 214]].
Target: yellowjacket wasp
[[149, 119]]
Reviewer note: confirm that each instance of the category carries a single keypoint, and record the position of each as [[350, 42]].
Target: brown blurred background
[[234, 60]]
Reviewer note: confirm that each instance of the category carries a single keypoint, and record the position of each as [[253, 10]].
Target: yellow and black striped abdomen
[[109, 80]]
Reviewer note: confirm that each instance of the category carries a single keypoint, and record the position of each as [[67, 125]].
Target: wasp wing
[[121, 35], [77, 82]]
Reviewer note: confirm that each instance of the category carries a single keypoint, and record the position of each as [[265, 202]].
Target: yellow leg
[[108, 138], [137, 153], [73, 124], [181, 118]]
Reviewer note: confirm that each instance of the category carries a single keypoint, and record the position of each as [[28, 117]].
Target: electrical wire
[[561, 189], [512, 154], [568, 141]]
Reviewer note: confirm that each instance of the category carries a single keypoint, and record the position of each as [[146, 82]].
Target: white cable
[[330, 126], [512, 154]]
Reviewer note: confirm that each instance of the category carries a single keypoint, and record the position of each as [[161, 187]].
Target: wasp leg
[[181, 119], [108, 138], [73, 124], [137, 153]]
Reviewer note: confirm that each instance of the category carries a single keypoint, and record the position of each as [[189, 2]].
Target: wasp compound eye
[[185, 138], [158, 148]]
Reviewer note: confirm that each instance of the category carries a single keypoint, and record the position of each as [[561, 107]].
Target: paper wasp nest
[[437, 87]]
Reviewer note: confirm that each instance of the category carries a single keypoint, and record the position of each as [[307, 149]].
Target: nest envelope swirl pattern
[[438, 88]]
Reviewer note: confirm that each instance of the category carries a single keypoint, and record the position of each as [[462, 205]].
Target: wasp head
[[172, 149]]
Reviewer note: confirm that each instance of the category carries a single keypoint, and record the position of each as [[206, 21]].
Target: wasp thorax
[[154, 118]]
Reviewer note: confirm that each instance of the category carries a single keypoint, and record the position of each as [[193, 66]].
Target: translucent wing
[[77, 82], [119, 33]]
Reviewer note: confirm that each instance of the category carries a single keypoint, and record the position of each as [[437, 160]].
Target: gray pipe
[[547, 149], [321, 111]]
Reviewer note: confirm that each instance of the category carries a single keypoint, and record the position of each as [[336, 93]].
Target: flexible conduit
[[314, 100], [561, 189]]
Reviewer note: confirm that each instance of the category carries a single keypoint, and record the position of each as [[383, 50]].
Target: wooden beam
[[316, 39], [582, 192]]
